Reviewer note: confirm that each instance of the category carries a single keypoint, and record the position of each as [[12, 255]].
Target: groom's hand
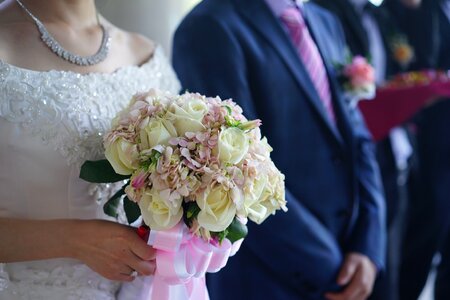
[[358, 274]]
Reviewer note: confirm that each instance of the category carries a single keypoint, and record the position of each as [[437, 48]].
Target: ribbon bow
[[182, 259]]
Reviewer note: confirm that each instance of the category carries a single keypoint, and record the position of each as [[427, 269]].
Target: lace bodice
[[71, 111], [50, 123]]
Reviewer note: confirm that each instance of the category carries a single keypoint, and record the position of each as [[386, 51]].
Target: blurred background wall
[[156, 19]]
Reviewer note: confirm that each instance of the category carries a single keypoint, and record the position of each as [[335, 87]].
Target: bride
[[64, 73]]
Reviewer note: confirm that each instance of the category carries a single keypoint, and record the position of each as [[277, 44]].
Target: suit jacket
[[239, 49]]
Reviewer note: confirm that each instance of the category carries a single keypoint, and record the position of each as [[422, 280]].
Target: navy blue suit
[[238, 49]]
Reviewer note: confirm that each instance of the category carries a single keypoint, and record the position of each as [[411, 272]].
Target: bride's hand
[[113, 250]]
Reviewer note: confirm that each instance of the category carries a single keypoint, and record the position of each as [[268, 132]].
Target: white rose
[[218, 208], [189, 116], [159, 213], [156, 132], [261, 149], [232, 145], [252, 204], [123, 156], [272, 198], [195, 109]]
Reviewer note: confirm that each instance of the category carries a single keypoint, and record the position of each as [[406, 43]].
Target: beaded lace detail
[[71, 111], [76, 282]]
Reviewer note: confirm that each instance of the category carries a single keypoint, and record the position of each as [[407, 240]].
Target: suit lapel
[[354, 20], [387, 33], [259, 15], [388, 30], [334, 86]]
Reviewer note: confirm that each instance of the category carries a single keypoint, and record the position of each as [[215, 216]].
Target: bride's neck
[[76, 13]]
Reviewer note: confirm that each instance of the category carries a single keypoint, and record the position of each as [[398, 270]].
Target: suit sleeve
[[208, 59], [369, 235]]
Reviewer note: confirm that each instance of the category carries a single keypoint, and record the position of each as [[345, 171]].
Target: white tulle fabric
[[50, 122]]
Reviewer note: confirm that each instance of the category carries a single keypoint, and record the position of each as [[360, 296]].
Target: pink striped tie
[[309, 55]]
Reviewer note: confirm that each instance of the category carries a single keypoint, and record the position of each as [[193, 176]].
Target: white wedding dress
[[50, 123]]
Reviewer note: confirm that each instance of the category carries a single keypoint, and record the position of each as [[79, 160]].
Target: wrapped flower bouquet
[[195, 169]]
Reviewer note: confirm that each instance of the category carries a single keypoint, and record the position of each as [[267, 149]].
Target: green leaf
[[230, 111], [231, 122], [236, 231], [192, 210], [150, 160], [112, 205], [100, 171], [132, 210], [220, 235]]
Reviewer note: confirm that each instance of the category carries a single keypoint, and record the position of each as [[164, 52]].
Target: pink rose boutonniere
[[402, 51], [357, 79]]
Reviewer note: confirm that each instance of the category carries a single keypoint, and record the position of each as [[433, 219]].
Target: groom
[[274, 57]]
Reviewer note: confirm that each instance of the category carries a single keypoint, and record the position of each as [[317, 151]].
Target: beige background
[[157, 19]]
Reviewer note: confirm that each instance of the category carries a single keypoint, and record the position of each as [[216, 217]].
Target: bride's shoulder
[[137, 46], [143, 47]]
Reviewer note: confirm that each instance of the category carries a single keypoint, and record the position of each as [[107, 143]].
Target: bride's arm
[[110, 249]]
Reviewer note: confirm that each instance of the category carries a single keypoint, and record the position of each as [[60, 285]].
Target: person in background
[[274, 57], [372, 32], [427, 24]]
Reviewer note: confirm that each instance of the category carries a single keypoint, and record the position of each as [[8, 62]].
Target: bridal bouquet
[[195, 170], [358, 79]]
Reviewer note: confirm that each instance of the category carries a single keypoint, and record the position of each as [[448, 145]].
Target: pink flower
[[138, 180], [133, 194], [359, 72]]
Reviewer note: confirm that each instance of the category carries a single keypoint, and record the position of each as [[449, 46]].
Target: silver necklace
[[50, 41]]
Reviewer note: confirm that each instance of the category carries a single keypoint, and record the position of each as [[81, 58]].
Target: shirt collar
[[359, 4], [279, 6], [446, 8]]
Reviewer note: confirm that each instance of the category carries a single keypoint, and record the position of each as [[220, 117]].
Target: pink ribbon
[[182, 259]]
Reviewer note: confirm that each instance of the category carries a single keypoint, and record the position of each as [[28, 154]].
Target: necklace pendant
[[56, 48]]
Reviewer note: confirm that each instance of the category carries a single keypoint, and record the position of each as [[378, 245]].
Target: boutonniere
[[357, 78], [402, 51]]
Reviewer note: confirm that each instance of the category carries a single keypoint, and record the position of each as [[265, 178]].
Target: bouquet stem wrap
[[182, 259]]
